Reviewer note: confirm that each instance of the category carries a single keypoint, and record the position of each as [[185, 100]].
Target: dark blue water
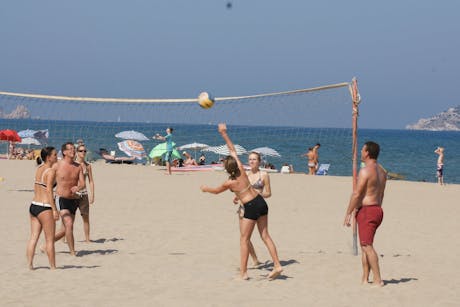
[[409, 153]]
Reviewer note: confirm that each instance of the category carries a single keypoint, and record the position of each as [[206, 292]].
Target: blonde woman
[[43, 212], [260, 181], [85, 201], [255, 208]]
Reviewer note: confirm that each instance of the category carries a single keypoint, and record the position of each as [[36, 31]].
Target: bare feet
[[377, 284], [256, 263], [244, 276], [275, 273]]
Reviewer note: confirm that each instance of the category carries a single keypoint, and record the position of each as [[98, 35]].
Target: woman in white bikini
[[85, 201], [43, 213], [260, 182], [255, 208]]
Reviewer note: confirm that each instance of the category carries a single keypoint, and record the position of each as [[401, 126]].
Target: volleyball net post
[[356, 99]]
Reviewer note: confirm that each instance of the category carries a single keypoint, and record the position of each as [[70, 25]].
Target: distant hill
[[446, 121], [18, 113]]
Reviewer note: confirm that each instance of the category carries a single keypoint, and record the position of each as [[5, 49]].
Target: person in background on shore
[[440, 165], [255, 207], [43, 212], [169, 147], [311, 161], [316, 156], [69, 180], [202, 159], [189, 161], [85, 201], [368, 199]]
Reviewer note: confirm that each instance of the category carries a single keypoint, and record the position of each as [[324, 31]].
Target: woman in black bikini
[[260, 181], [43, 212], [255, 208]]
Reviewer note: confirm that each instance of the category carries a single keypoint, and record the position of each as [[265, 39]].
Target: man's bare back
[[375, 181]]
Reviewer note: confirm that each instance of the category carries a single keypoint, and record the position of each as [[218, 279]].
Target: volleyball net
[[289, 122]]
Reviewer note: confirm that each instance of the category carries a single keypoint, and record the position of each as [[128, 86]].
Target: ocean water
[[408, 153]]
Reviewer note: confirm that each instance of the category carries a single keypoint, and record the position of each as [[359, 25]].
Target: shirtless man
[[367, 199], [69, 180], [440, 165]]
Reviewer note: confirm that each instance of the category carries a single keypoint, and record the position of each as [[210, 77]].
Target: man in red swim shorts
[[367, 199]]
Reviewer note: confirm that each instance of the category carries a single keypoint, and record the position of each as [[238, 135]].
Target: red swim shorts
[[369, 219]]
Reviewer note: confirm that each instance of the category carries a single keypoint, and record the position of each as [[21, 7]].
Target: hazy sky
[[404, 53]]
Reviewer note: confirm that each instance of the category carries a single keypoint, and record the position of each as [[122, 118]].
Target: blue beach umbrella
[[131, 135], [132, 149]]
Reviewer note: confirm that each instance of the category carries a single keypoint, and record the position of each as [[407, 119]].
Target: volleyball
[[205, 100]]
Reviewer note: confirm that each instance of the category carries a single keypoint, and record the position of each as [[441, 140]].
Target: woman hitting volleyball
[[255, 208]]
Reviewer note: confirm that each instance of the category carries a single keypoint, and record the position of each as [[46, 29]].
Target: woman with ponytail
[[255, 208], [42, 211]]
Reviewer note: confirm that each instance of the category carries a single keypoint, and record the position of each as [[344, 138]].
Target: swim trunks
[[83, 204], [168, 156], [70, 204], [36, 208], [369, 219], [255, 208], [439, 170]]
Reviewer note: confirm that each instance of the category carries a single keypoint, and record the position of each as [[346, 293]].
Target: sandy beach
[[159, 241]]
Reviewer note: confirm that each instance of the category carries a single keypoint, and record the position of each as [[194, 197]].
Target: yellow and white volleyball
[[205, 100]]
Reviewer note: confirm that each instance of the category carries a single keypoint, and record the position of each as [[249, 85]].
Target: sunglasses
[[84, 150]]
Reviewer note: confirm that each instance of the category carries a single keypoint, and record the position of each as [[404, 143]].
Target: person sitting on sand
[[202, 160], [255, 207], [189, 161]]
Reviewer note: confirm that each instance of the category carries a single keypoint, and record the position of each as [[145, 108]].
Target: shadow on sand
[[401, 280], [102, 240], [82, 253]]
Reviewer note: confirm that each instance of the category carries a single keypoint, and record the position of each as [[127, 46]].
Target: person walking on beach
[[43, 212], [69, 180], [85, 201], [440, 165], [169, 147], [255, 207], [260, 181], [367, 199]]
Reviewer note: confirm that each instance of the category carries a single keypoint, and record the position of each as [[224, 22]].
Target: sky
[[405, 54]]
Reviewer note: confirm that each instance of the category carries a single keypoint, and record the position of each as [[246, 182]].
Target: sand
[[159, 241]]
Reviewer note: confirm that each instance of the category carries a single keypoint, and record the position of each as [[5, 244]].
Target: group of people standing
[[68, 176], [250, 189]]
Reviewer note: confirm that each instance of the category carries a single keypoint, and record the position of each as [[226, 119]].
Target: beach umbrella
[[193, 146], [224, 151], [28, 133], [30, 141], [42, 134], [9, 135], [160, 150], [132, 148], [267, 151], [131, 135]]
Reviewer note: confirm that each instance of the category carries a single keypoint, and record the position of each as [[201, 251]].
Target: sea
[[407, 153]]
